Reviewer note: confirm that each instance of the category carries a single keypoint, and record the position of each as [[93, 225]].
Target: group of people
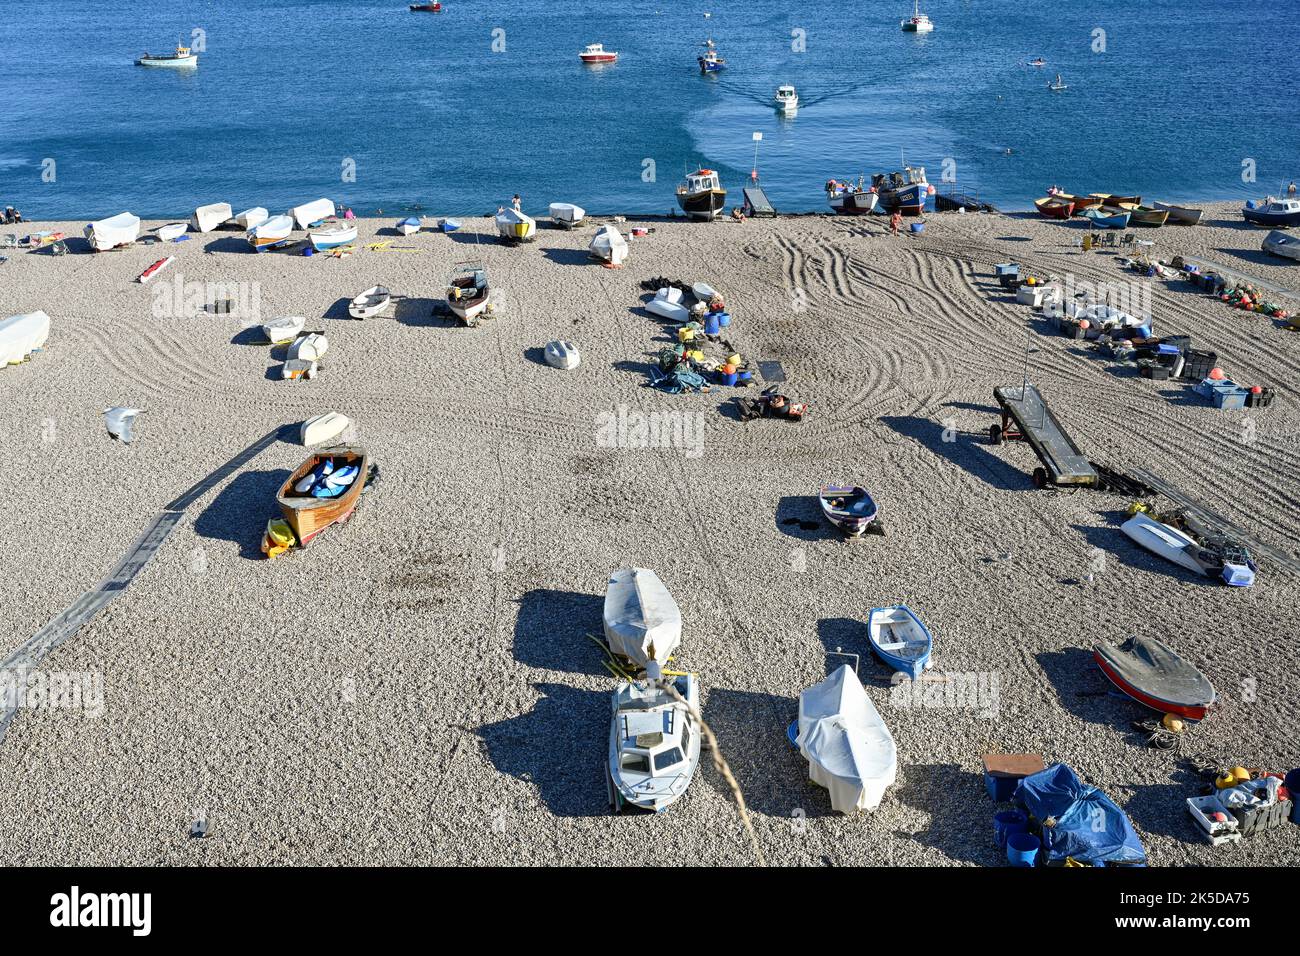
[[12, 216]]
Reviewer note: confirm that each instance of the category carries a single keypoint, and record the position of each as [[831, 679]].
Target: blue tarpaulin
[[1078, 820]]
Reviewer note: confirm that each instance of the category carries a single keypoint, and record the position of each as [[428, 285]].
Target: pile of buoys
[[1248, 299]]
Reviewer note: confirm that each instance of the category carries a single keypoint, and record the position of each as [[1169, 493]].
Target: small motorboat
[[851, 509], [284, 330], [408, 226], [207, 218], [468, 292], [642, 621], [849, 749], [1275, 213], [514, 226], [1104, 217], [610, 245], [1055, 207], [332, 236], [1280, 244], [1057, 85], [270, 233], [370, 303], [654, 744], [21, 335], [700, 195], [308, 214], [918, 22], [251, 217], [566, 215], [309, 347], [323, 428], [847, 199], [1152, 674], [172, 230], [1183, 215], [120, 230], [562, 354], [786, 99], [324, 490], [434, 7], [900, 639], [183, 58], [596, 53], [709, 60]]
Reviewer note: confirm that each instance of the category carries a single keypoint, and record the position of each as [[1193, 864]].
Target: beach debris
[[120, 422], [1237, 802], [562, 354], [323, 428], [771, 406], [1077, 821], [199, 827], [299, 369], [278, 539]]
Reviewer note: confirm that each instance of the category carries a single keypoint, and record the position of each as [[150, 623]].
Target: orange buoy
[[1255, 390], [1216, 374]]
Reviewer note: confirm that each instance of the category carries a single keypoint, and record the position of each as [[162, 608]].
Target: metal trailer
[[1026, 417], [757, 203]]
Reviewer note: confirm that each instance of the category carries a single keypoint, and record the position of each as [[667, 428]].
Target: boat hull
[[1272, 219], [1102, 220], [308, 516], [271, 233], [1153, 675], [1053, 208], [849, 508], [703, 205], [886, 623], [1182, 215], [910, 200], [1166, 541], [1280, 244], [853, 203], [333, 238], [170, 62]]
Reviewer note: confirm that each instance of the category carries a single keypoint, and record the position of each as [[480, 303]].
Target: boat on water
[[184, 58], [786, 99], [1057, 85], [1037, 61], [514, 226], [849, 508], [900, 639], [1183, 215], [596, 53], [566, 215], [332, 236], [700, 195], [642, 621], [120, 230], [849, 749], [370, 303], [1280, 244], [251, 217], [610, 245], [324, 490], [1276, 213], [468, 292], [283, 330], [21, 335], [1055, 207], [1154, 675], [709, 60], [434, 7], [918, 22], [907, 192], [310, 213], [1103, 217], [848, 199], [654, 745], [408, 226], [207, 218]]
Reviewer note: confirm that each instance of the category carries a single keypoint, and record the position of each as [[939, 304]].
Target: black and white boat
[[700, 195]]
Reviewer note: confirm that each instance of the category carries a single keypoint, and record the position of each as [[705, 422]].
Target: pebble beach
[[418, 685]]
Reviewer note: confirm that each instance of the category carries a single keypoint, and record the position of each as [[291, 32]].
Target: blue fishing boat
[[906, 192], [409, 225], [449, 225], [900, 639], [1106, 219], [710, 62]]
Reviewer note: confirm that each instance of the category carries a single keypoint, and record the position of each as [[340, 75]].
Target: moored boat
[[1107, 199], [918, 22], [654, 745], [183, 59], [849, 749], [700, 195], [370, 303], [848, 199], [324, 490], [332, 236], [642, 621], [1277, 213], [907, 192], [468, 292], [1183, 215], [1055, 207], [1154, 675], [120, 230], [1147, 216], [435, 7], [849, 508], [900, 639], [269, 233], [596, 53]]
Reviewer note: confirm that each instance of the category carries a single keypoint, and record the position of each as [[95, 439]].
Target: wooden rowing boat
[[1183, 215], [1109, 199], [1055, 207], [309, 515], [1148, 216]]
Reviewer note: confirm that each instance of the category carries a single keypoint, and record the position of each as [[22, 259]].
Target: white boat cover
[[609, 244], [849, 749], [207, 218], [277, 227], [252, 217], [115, 231], [667, 304], [284, 329], [567, 213], [310, 347], [513, 224], [323, 428], [310, 212], [20, 335], [642, 621], [171, 230]]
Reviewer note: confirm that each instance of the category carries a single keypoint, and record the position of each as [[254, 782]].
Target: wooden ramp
[[757, 203]]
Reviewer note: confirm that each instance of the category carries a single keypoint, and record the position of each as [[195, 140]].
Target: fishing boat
[[514, 226], [907, 192], [1109, 199], [642, 621], [609, 244], [900, 639], [849, 749], [323, 428], [1055, 207], [21, 335], [786, 99], [1057, 85], [120, 230], [468, 292], [709, 60], [283, 330], [1103, 217], [434, 7], [1276, 213], [1037, 61], [309, 347], [1183, 215], [1280, 244], [270, 233], [324, 490], [332, 236], [918, 22], [1153, 675], [1080, 202], [370, 303], [566, 215], [310, 213], [848, 199], [1147, 216], [654, 745], [849, 508], [700, 195], [408, 226], [596, 53], [448, 225], [170, 231], [183, 59], [207, 218]]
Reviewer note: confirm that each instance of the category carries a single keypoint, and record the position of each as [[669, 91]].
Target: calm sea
[[370, 104]]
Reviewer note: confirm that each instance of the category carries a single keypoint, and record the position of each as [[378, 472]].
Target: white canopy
[[114, 231], [849, 749], [20, 335], [609, 244], [642, 621]]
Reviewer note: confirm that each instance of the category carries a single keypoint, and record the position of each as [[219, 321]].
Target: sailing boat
[[1058, 85], [918, 22]]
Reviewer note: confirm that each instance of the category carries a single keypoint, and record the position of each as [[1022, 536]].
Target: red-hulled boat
[[1054, 207], [426, 7], [1154, 675]]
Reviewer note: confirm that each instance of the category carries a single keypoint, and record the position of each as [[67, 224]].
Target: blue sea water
[[454, 112]]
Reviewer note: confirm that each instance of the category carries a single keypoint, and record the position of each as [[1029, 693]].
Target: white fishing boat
[[596, 53], [468, 293], [610, 245], [315, 211], [566, 215], [172, 230], [514, 226], [332, 236], [283, 330], [786, 99], [849, 749], [323, 428], [120, 230], [654, 744], [562, 354], [251, 217], [700, 195], [207, 218], [21, 335], [270, 232], [848, 199], [183, 59], [408, 226], [918, 22], [1167, 541], [370, 303], [642, 621], [310, 347]]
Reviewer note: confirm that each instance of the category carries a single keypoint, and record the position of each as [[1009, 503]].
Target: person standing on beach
[[1290, 190], [895, 221], [517, 203]]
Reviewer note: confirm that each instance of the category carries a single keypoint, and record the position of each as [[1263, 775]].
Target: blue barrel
[[711, 324], [1008, 822], [744, 376], [918, 227], [729, 378], [724, 319], [1292, 783], [1022, 849]]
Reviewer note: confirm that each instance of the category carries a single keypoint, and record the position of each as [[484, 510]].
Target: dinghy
[[849, 508], [642, 621], [1154, 675], [21, 335], [323, 428], [270, 233], [323, 490], [514, 226], [207, 218], [1054, 207], [566, 214], [1167, 541], [120, 230], [312, 212], [332, 236], [370, 303], [408, 226], [900, 639], [562, 354], [654, 747], [609, 244], [1280, 244], [1183, 215], [667, 304], [173, 230], [468, 292], [283, 330], [1106, 218], [449, 225], [849, 749], [251, 217], [310, 347]]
